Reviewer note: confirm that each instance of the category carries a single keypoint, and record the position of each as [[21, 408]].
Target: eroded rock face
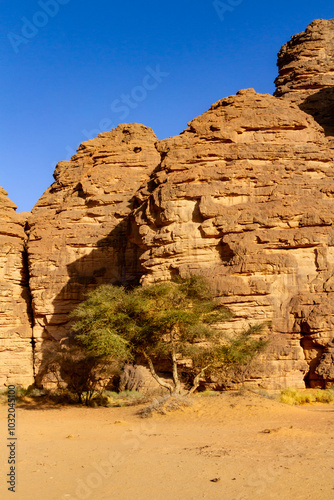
[[306, 72], [244, 196], [78, 228], [16, 355]]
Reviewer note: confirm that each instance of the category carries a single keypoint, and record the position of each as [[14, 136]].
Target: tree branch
[[197, 380]]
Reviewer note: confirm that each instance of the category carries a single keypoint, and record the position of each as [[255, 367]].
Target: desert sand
[[231, 447]]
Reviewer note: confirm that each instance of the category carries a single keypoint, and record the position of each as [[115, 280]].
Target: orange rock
[[77, 230], [244, 196], [306, 72], [16, 357]]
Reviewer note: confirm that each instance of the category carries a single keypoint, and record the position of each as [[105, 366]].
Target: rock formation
[[244, 196], [16, 353], [77, 230], [306, 72]]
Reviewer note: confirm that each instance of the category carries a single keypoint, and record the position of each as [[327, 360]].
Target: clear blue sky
[[68, 68]]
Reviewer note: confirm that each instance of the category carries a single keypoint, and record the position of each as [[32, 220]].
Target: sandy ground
[[225, 447]]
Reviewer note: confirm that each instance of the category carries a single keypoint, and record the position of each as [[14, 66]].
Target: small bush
[[37, 393], [68, 365], [131, 395], [99, 400], [324, 396], [20, 392], [264, 394], [3, 396], [207, 393], [125, 398], [300, 397], [62, 397]]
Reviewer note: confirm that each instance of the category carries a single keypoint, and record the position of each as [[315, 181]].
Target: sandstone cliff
[[78, 228], [306, 72], [16, 353], [244, 196]]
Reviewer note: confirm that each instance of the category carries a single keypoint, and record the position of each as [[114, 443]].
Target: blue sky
[[73, 68]]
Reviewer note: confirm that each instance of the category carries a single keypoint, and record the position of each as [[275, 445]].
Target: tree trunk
[[177, 383], [156, 376]]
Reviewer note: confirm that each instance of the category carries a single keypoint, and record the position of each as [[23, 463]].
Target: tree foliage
[[165, 321]]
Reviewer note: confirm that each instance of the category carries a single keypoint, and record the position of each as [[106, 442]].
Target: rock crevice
[[16, 353]]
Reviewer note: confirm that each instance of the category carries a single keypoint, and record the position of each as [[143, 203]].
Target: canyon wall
[[78, 229], [244, 196], [16, 350]]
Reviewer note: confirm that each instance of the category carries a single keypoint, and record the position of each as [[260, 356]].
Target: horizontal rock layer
[[306, 72], [77, 230], [244, 196]]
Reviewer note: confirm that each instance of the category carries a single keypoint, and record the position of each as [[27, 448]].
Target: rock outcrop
[[244, 196], [306, 72], [78, 228], [16, 353]]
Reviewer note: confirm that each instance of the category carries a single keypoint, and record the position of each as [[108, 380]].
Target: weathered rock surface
[[306, 72], [77, 236], [16, 355], [244, 196], [139, 378]]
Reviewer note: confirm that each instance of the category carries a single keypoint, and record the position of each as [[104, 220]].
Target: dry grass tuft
[[307, 396]]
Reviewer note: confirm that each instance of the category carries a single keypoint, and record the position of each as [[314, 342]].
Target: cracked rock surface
[[306, 72]]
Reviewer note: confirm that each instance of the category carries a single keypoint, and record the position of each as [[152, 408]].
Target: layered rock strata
[[16, 353], [306, 72], [78, 228], [244, 196]]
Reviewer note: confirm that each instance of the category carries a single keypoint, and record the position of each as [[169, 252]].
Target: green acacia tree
[[169, 320]]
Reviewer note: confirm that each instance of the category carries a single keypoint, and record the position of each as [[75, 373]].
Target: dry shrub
[[307, 396], [164, 405]]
